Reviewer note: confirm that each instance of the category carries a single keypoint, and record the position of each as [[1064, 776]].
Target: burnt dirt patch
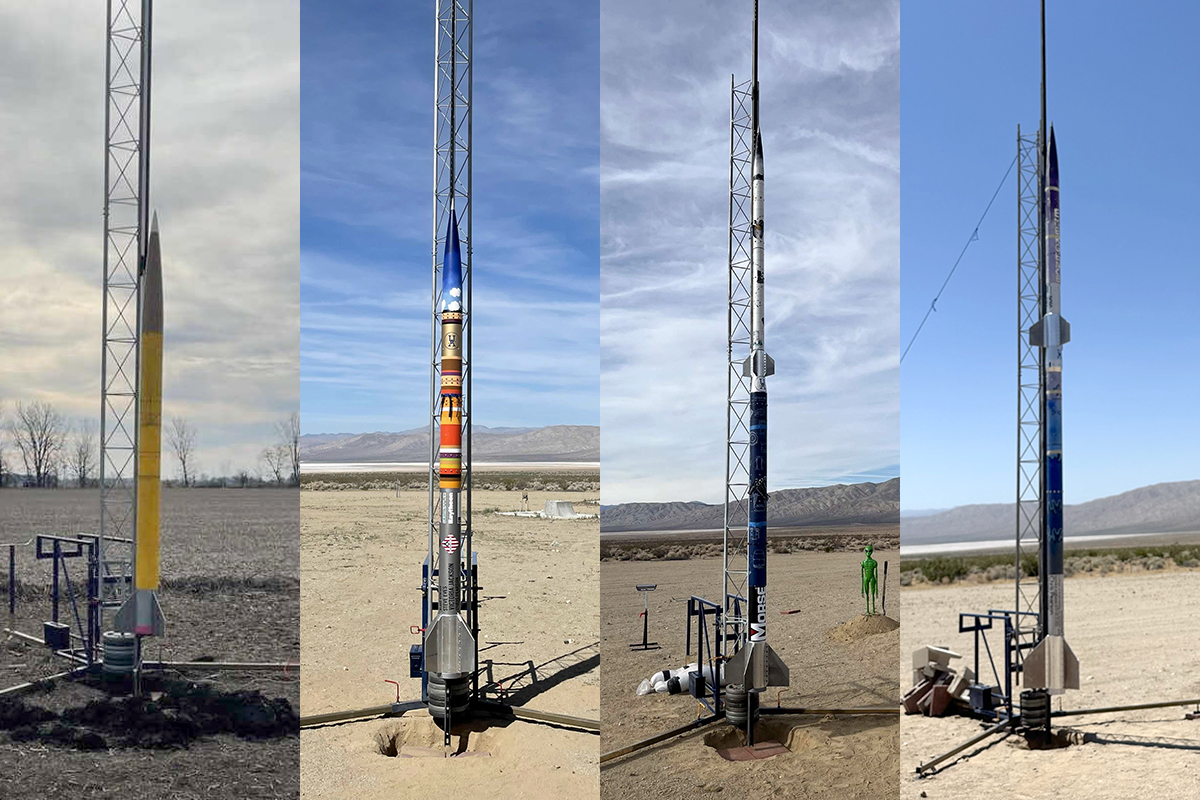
[[788, 734], [171, 714], [1054, 739]]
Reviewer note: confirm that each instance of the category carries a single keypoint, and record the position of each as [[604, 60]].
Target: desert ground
[[1135, 635], [361, 561], [230, 593], [831, 757]]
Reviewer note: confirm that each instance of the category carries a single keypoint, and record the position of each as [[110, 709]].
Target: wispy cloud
[[831, 115], [367, 204]]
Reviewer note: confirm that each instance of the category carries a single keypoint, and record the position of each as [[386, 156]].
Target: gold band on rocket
[[450, 453]]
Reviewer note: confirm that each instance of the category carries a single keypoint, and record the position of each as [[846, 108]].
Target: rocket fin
[[141, 615], [449, 646], [1051, 665], [1070, 667], [736, 666], [748, 366], [757, 666], [1037, 336], [1033, 672], [778, 673]]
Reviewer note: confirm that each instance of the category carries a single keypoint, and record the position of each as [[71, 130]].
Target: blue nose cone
[[452, 268]]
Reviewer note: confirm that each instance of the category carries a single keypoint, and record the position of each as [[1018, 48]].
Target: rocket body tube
[[756, 666], [1051, 664], [141, 613], [757, 533], [449, 644]]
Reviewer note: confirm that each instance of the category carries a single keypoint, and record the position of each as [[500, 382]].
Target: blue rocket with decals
[[756, 666], [1051, 665]]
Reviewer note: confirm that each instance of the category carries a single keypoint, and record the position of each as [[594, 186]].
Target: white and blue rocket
[[1051, 665], [755, 666]]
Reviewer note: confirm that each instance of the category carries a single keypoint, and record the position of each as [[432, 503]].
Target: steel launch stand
[[1027, 630], [736, 531], [126, 231], [452, 189]]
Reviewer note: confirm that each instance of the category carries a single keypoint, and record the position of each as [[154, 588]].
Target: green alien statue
[[870, 582]]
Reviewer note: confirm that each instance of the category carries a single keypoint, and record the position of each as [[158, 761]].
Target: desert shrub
[[943, 569]]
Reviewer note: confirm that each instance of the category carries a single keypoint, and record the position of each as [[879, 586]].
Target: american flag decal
[[449, 544]]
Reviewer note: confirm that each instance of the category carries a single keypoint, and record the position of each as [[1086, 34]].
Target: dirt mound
[[172, 715], [863, 626]]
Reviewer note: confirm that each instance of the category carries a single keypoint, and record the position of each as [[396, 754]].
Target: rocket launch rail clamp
[[709, 651], [646, 644]]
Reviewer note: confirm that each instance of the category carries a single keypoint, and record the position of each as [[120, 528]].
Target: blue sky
[[830, 76], [366, 205], [1121, 80]]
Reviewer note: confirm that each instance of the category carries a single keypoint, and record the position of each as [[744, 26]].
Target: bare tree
[[277, 460], [182, 438], [39, 433], [289, 435], [82, 457]]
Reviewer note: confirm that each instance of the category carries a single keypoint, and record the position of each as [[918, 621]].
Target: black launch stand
[[645, 644]]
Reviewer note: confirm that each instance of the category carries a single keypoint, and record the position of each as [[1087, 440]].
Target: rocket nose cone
[[452, 268], [152, 302], [1052, 158], [452, 244]]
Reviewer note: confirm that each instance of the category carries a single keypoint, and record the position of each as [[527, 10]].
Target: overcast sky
[[367, 152], [830, 78], [225, 178]]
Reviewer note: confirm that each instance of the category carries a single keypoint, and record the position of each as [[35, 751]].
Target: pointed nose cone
[[1053, 159], [152, 298], [452, 268]]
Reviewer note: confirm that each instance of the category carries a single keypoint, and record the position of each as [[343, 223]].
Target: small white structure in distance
[[555, 509]]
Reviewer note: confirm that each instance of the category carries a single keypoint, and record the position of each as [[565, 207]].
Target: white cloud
[[225, 182], [831, 124]]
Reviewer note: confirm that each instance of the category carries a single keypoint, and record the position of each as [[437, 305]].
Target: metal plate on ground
[[756, 752], [438, 752]]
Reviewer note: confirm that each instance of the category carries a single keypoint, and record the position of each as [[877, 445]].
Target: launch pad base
[[433, 752], [755, 752]]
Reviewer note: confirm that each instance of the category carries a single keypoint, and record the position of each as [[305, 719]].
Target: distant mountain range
[[1161, 508], [553, 443], [843, 504]]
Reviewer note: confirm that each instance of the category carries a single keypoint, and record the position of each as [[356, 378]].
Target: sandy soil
[[231, 593], [361, 555], [830, 758], [1135, 636]]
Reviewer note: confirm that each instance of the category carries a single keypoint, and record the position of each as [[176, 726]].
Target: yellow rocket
[[141, 614]]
